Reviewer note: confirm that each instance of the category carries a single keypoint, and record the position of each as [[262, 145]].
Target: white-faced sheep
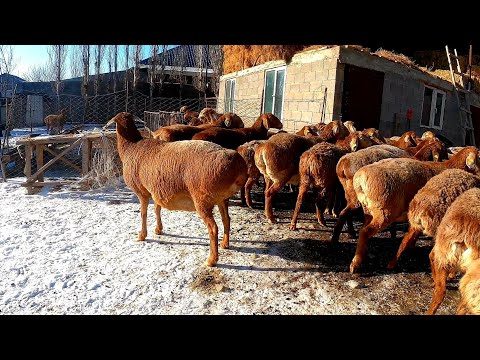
[[185, 175], [317, 169], [186, 132], [469, 287], [430, 204], [247, 151], [232, 139], [386, 188], [55, 122], [457, 243], [346, 168], [278, 159]]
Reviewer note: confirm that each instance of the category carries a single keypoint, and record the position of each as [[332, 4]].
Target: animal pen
[[78, 155]]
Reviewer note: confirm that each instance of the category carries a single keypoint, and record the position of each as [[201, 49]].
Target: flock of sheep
[[398, 179]]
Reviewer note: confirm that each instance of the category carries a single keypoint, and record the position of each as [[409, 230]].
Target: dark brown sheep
[[186, 132], [232, 139], [386, 188], [185, 175]]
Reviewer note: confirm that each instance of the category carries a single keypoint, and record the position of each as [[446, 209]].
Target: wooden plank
[[66, 161], [51, 162], [459, 70], [28, 166], [64, 139], [47, 183], [450, 65], [86, 156], [39, 156]]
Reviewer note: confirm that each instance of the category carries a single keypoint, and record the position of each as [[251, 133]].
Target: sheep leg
[[330, 202], [143, 210], [393, 231], [462, 307], [206, 213], [223, 207], [408, 241], [248, 189], [272, 190], [243, 194], [301, 193], [345, 215], [440, 279], [159, 228], [370, 227], [318, 208]]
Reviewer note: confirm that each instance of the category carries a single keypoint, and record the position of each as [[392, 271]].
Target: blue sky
[[31, 55]]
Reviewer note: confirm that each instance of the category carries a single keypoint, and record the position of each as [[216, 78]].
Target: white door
[[34, 115]]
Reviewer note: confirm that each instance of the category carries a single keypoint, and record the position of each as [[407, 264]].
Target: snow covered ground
[[75, 252]]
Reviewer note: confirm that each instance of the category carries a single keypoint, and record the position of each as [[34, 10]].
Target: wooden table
[[40, 144]]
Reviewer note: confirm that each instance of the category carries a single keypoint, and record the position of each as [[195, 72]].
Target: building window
[[229, 95], [274, 90], [433, 108]]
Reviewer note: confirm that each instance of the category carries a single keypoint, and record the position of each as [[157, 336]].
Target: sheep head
[[409, 139], [184, 109], [231, 120], [428, 135], [354, 142], [350, 125], [125, 126], [271, 121]]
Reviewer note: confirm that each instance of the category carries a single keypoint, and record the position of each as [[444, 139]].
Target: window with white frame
[[229, 95], [433, 108], [273, 91]]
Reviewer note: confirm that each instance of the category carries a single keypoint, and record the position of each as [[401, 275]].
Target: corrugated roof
[[189, 53]]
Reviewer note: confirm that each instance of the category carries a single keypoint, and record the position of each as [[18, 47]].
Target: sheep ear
[[407, 139], [354, 144], [435, 157], [470, 161], [335, 129], [266, 122]]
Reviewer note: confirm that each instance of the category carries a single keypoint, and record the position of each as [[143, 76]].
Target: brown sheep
[[347, 166], [429, 205], [434, 150], [175, 176], [457, 244], [186, 132], [208, 116], [307, 129], [406, 140], [428, 135], [375, 135], [350, 125], [317, 168], [278, 159], [386, 188], [232, 139], [469, 287], [55, 122], [247, 151], [187, 114]]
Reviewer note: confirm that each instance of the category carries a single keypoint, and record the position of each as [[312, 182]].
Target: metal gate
[[34, 114]]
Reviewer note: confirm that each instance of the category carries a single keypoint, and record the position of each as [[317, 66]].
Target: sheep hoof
[[142, 236], [211, 263], [272, 220], [355, 265], [391, 265], [293, 227], [334, 214], [158, 231], [322, 222], [225, 244], [327, 211]]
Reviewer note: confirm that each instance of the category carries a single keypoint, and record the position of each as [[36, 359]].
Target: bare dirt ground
[[309, 275]]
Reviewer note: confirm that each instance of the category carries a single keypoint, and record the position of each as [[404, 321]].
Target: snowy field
[[74, 252]]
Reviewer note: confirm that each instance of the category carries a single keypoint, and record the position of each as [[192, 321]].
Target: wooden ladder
[[462, 95]]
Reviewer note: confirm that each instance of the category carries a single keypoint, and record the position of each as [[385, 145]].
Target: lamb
[[185, 175], [386, 188], [247, 151], [430, 204], [232, 139], [186, 132], [278, 159], [346, 168], [55, 122], [470, 290], [317, 169], [433, 150], [457, 245], [408, 139], [208, 116]]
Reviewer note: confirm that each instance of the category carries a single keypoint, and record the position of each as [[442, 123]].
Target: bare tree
[[115, 67], [86, 68], [200, 78], [75, 61], [8, 61], [152, 70], [38, 73], [127, 64], [178, 66], [57, 63], [216, 61], [136, 71], [99, 52]]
